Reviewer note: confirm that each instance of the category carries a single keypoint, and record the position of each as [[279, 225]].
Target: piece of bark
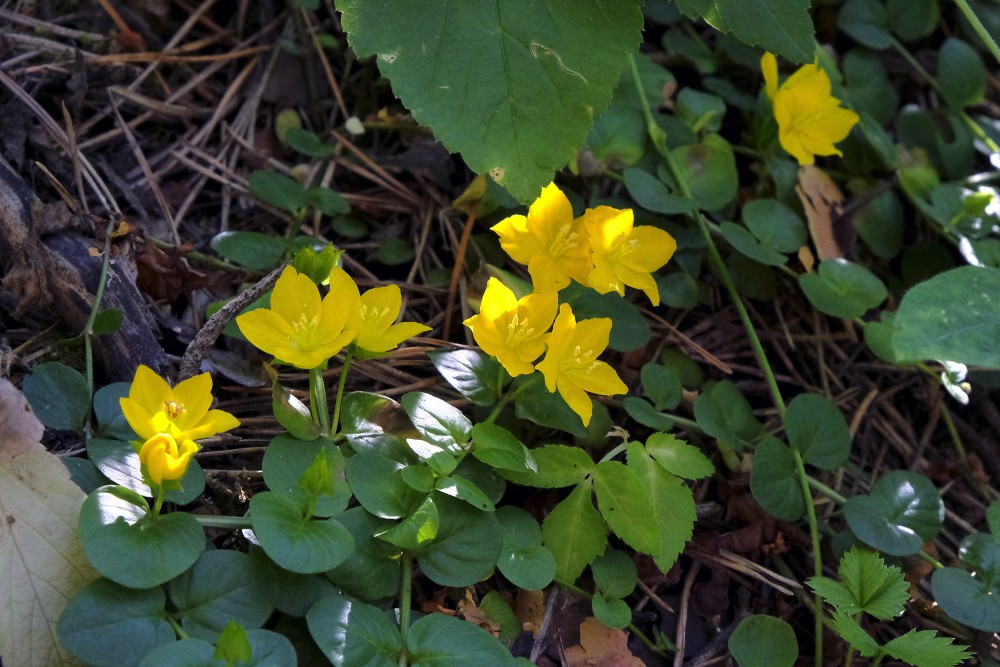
[[45, 262]]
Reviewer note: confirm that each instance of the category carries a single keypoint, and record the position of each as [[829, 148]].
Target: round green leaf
[[743, 241], [773, 481], [415, 530], [709, 169], [473, 374], [132, 549], [58, 396], [492, 89], [327, 201], [294, 543], [111, 421], [775, 225], [419, 477], [119, 462], [223, 586], [307, 143], [287, 458], [817, 429], [268, 649], [523, 559], [466, 547], [662, 386], [107, 625], [653, 195], [371, 572], [370, 422], [903, 511], [881, 222], [612, 612], [764, 641], [631, 330], [499, 448], [725, 414], [379, 486], [954, 316], [614, 573], [961, 74], [394, 251], [843, 289], [354, 633], [968, 599], [108, 321], [437, 640], [913, 19], [277, 190], [253, 250], [640, 410], [867, 22]]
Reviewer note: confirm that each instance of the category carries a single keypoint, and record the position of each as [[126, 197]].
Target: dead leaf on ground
[[600, 646], [529, 607], [823, 202], [40, 551]]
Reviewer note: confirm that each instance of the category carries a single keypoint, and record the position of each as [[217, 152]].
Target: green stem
[[510, 396], [317, 399], [650, 644], [980, 29], [800, 471], [231, 522], [158, 503], [827, 491], [88, 329], [405, 601], [615, 452], [341, 383], [178, 630], [935, 563]]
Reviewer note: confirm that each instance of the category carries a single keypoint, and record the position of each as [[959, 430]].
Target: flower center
[[584, 359], [565, 240], [304, 324], [517, 330], [373, 314], [174, 409]]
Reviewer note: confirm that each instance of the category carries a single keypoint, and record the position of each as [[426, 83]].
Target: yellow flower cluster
[[168, 420], [305, 330], [602, 249], [810, 119]]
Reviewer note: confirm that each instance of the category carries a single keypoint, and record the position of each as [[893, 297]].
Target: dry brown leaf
[[529, 607], [823, 202], [20, 430], [600, 646]]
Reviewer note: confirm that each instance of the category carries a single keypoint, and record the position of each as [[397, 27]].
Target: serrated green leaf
[[673, 505], [626, 506], [558, 466], [779, 26], [678, 457], [834, 593], [925, 648], [877, 588], [575, 533], [486, 76], [854, 634]]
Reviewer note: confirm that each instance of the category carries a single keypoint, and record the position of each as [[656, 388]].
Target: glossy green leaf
[[119, 462], [255, 251], [867, 22], [816, 428], [267, 649], [954, 315], [437, 640], [725, 414], [466, 547], [903, 511], [613, 612], [473, 374], [498, 72], [378, 485], [438, 422], [779, 26], [116, 534], [58, 395], [297, 544], [523, 559], [499, 448], [967, 599], [843, 289], [354, 633], [773, 481], [223, 585], [111, 423], [574, 532], [416, 529], [370, 423], [286, 459], [764, 641], [107, 625], [291, 593], [558, 466], [678, 457], [461, 488], [626, 506], [548, 409], [371, 571], [673, 505]]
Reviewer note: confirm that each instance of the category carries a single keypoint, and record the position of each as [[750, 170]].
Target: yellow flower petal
[[293, 295], [497, 301], [193, 397], [769, 66], [265, 330], [577, 399]]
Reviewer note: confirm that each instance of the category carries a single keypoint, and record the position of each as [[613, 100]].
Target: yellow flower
[[571, 364], [623, 254], [163, 459], [548, 240], [513, 330], [810, 119], [299, 328], [152, 407], [371, 315]]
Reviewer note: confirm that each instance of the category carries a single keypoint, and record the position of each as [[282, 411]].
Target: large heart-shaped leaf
[[523, 559], [968, 599], [903, 510], [843, 289], [467, 545], [354, 633], [287, 458], [514, 87], [294, 542], [437, 640], [781, 26]]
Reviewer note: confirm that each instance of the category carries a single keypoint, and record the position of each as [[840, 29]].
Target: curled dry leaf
[[600, 645], [823, 202]]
